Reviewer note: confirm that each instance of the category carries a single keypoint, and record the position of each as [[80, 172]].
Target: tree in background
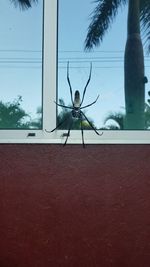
[[12, 116], [147, 116], [37, 123], [24, 4], [116, 119], [103, 16], [64, 115]]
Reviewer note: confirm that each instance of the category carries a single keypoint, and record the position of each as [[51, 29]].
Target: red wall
[[74, 207]]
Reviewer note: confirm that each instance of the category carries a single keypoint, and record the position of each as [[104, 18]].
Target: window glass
[[107, 75], [21, 38]]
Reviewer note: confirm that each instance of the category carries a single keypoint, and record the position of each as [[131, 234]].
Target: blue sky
[[20, 55], [107, 60]]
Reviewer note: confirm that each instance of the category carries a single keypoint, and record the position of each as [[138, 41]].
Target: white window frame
[[50, 95]]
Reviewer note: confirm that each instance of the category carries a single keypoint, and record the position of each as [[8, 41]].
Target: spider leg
[[68, 133], [90, 124], [81, 119], [68, 79], [57, 126], [90, 104], [86, 84], [63, 106]]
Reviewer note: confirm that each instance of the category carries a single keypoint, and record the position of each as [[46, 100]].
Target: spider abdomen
[[76, 113]]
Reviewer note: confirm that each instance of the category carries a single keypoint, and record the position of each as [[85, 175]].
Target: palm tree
[[23, 3], [118, 118], [134, 83]]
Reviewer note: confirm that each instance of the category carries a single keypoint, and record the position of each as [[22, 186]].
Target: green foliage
[[103, 16], [37, 123], [101, 19], [117, 119], [147, 116], [12, 116], [23, 4]]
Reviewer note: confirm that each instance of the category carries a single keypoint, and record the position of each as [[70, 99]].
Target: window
[[28, 80], [41, 58]]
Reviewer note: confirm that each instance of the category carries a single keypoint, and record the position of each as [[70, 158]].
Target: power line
[[97, 67], [90, 58], [21, 50], [20, 58], [61, 51], [39, 61], [19, 67], [100, 51], [15, 61], [62, 67], [93, 61]]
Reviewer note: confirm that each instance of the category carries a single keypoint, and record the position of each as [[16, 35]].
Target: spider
[[76, 108]]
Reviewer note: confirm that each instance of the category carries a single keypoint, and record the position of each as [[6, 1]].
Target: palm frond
[[145, 21], [101, 18], [117, 117], [23, 4]]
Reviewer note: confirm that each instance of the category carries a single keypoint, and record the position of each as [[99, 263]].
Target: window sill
[[108, 137]]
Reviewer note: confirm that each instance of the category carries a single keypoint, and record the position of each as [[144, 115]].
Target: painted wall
[[70, 207]]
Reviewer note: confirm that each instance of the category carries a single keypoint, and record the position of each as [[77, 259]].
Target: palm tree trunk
[[134, 71]]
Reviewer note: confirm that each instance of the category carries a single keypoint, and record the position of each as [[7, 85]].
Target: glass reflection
[[21, 66], [124, 100]]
